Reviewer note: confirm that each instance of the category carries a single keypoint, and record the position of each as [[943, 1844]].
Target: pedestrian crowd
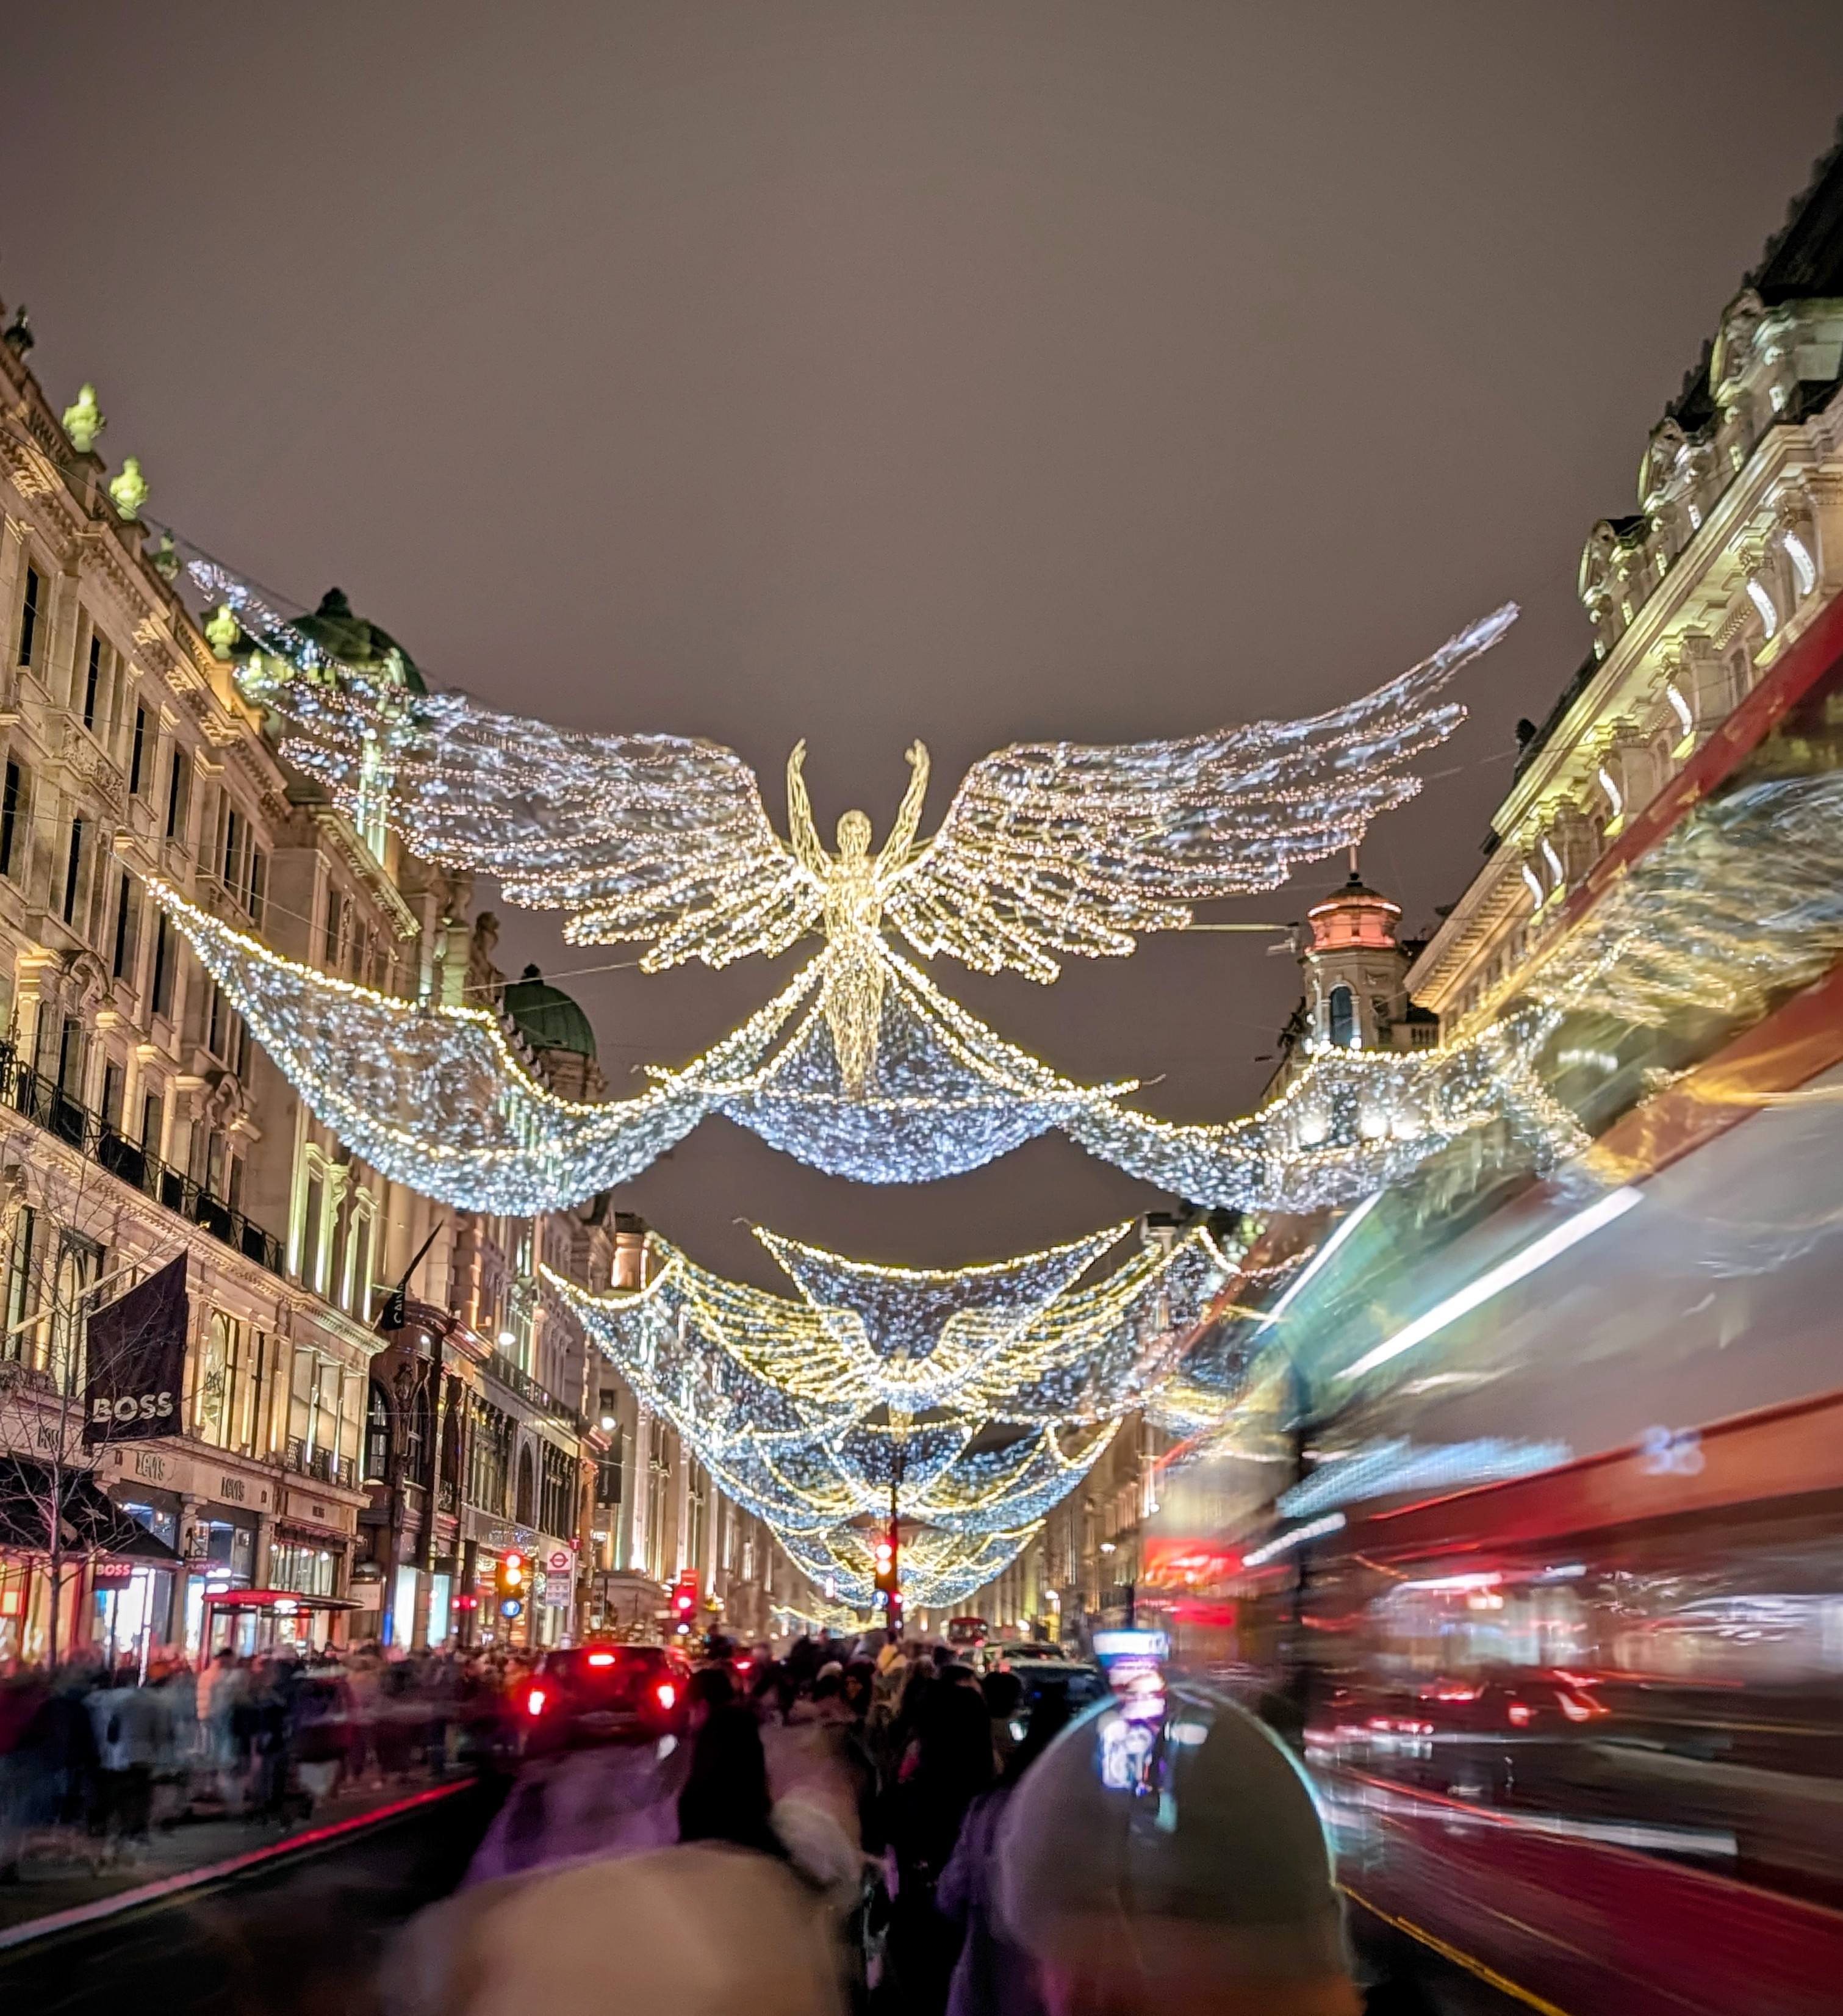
[[878, 1827], [92, 1760]]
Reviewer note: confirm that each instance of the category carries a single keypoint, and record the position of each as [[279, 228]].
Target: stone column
[[190, 1505]]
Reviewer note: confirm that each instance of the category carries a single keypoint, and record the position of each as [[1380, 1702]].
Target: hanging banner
[[135, 1357]]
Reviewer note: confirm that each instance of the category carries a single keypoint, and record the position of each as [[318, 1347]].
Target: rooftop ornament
[[84, 420], [129, 490], [222, 631]]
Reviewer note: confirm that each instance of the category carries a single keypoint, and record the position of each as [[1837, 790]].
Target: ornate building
[[380, 1397], [1695, 600]]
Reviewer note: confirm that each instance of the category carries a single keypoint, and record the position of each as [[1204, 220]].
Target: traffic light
[[509, 1579], [685, 1600], [886, 1580]]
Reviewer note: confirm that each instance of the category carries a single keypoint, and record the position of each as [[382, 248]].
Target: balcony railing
[[319, 1463], [46, 1104], [520, 1382]]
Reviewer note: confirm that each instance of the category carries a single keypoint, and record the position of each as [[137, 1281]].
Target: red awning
[[275, 1599]]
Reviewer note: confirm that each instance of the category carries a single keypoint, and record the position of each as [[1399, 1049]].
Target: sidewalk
[[49, 1887]]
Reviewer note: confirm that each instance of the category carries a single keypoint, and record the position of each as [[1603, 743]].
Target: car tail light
[[534, 1702], [743, 1665], [601, 1658], [665, 1694], [1520, 1713]]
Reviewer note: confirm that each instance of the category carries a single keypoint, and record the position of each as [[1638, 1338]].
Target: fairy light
[[434, 1097], [982, 1395], [1742, 901], [1047, 848]]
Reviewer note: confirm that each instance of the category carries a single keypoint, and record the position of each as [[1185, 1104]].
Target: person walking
[[945, 1766], [994, 1976]]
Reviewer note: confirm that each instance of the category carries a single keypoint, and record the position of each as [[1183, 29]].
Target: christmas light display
[[1046, 849], [1741, 901], [980, 1395], [435, 1097]]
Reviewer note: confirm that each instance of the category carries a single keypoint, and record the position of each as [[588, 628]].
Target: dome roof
[[354, 640], [546, 1018]]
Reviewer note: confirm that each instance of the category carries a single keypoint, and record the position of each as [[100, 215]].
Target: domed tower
[[558, 1033], [1356, 995]]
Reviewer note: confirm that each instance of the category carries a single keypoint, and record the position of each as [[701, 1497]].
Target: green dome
[[546, 1018], [353, 640]]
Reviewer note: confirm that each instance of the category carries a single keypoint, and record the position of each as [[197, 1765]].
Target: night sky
[[860, 373]]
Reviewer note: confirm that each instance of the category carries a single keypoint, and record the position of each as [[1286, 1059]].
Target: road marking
[[1488, 1975]]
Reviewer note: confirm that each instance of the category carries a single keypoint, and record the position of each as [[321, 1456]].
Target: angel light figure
[[1047, 848], [854, 888]]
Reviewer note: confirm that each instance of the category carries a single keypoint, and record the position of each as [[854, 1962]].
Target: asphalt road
[[299, 1934]]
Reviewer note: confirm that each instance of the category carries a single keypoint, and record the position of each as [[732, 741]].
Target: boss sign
[[135, 1361]]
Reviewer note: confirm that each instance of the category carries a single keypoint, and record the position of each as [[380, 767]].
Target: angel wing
[[1050, 848], [638, 836]]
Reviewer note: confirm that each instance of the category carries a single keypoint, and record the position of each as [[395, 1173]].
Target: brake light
[[1520, 1713], [534, 1702], [665, 1694], [742, 1665], [601, 1658]]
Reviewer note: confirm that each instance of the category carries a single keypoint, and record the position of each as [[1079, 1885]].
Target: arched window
[[1342, 1004], [527, 1490], [377, 1437]]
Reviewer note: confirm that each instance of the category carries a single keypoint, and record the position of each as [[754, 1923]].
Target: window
[[224, 1026], [114, 1087], [152, 1115], [527, 1488], [377, 1436], [355, 1289], [336, 920], [305, 1570], [71, 1049], [1343, 1032], [556, 1492], [29, 615], [258, 889], [92, 679], [489, 1456], [20, 1296], [127, 918], [73, 870], [163, 963], [313, 1404], [214, 1394], [138, 764], [236, 836], [176, 796], [312, 1225], [9, 817], [79, 1264]]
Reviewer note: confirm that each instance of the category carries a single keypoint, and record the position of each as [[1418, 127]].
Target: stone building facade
[[362, 1481]]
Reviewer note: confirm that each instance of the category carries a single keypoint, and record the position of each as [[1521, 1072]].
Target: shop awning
[[90, 1522], [285, 1601]]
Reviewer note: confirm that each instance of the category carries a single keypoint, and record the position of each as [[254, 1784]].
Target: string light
[[434, 1097], [1742, 901], [981, 1395], [1047, 848]]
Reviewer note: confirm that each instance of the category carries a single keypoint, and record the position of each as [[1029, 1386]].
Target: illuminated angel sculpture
[[1046, 849]]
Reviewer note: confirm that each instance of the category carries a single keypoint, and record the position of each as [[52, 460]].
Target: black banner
[[136, 1362]]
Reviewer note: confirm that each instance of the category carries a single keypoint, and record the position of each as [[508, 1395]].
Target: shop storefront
[[131, 1602]]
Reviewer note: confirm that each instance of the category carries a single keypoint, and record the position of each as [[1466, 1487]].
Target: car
[[603, 1694], [1078, 1683]]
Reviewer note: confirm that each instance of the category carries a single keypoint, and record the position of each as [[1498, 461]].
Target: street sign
[[559, 1563]]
